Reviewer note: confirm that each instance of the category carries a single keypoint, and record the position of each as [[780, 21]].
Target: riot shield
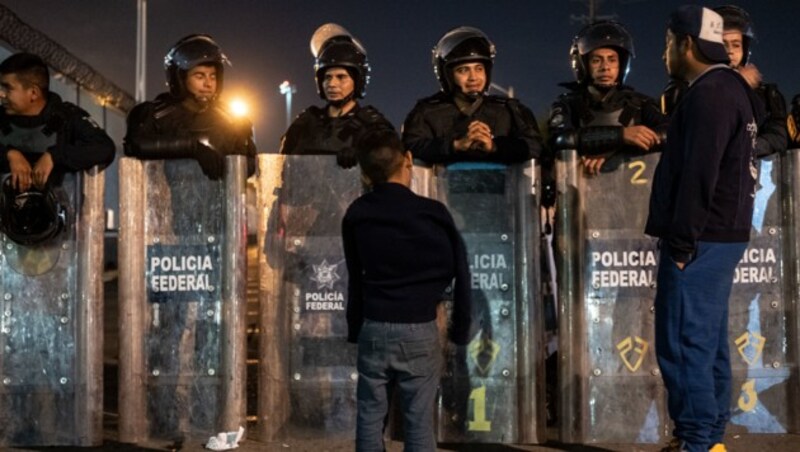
[[308, 373], [182, 297], [610, 386], [50, 321], [760, 311], [609, 383], [790, 194], [492, 390]]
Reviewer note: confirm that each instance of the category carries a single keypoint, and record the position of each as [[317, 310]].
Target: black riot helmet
[[462, 45], [30, 218], [191, 51], [601, 34], [333, 46], [736, 18]]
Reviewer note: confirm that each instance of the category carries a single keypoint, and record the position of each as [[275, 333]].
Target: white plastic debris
[[225, 440]]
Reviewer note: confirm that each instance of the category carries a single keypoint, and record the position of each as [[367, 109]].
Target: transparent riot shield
[[790, 194], [492, 390], [760, 312], [307, 375], [50, 324], [610, 388], [182, 297]]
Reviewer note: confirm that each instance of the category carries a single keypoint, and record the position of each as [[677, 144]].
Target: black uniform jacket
[[165, 129], [67, 132], [436, 122], [598, 123], [316, 133]]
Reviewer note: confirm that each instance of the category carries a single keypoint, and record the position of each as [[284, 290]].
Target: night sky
[[267, 41]]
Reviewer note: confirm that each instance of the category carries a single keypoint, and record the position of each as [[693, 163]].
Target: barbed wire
[[22, 37]]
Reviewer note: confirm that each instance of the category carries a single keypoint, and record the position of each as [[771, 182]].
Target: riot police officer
[[341, 71], [738, 36], [189, 121], [463, 122], [41, 136], [600, 115]]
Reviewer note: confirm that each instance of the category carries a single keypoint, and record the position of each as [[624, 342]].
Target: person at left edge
[[463, 122], [341, 71], [41, 136], [189, 121]]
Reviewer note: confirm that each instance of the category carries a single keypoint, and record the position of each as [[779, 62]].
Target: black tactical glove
[[346, 158], [211, 162]]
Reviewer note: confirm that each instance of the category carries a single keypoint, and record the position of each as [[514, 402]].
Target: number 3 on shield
[[479, 422], [638, 167]]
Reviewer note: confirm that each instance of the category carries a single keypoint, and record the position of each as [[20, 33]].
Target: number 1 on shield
[[479, 422]]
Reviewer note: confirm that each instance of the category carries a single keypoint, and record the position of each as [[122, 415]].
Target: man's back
[[711, 138], [408, 252]]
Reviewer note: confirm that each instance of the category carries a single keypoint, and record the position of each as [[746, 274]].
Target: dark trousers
[[692, 341], [406, 356]]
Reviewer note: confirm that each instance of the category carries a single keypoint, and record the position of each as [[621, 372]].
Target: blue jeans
[[692, 341], [402, 355]]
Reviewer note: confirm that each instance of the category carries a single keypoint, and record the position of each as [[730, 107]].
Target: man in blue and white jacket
[[701, 208]]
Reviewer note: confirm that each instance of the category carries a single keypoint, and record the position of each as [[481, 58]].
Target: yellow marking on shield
[[483, 352], [749, 397], [750, 346], [626, 347], [479, 422]]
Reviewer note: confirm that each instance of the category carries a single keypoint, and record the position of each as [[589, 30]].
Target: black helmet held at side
[[462, 45], [191, 51], [30, 218], [333, 46], [601, 34]]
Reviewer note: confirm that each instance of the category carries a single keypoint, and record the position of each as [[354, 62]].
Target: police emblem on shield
[[750, 345], [325, 275], [632, 347]]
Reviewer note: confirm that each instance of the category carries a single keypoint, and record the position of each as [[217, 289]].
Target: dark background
[[268, 42]]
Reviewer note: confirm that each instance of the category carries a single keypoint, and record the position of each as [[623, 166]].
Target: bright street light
[[287, 89], [239, 108]]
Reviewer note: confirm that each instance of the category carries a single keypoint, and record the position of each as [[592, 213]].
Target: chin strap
[[343, 101]]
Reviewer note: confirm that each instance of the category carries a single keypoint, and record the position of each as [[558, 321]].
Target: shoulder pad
[[438, 98], [162, 108], [500, 100], [370, 115], [68, 109], [314, 111]]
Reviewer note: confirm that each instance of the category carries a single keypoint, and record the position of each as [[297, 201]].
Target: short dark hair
[[681, 38], [30, 69], [380, 154]]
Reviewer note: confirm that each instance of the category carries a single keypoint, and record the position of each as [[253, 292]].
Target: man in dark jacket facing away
[[701, 208], [402, 252]]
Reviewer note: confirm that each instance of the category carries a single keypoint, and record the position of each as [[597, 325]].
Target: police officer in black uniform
[[738, 36], [41, 138], [600, 115], [189, 121], [463, 122], [341, 71]]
